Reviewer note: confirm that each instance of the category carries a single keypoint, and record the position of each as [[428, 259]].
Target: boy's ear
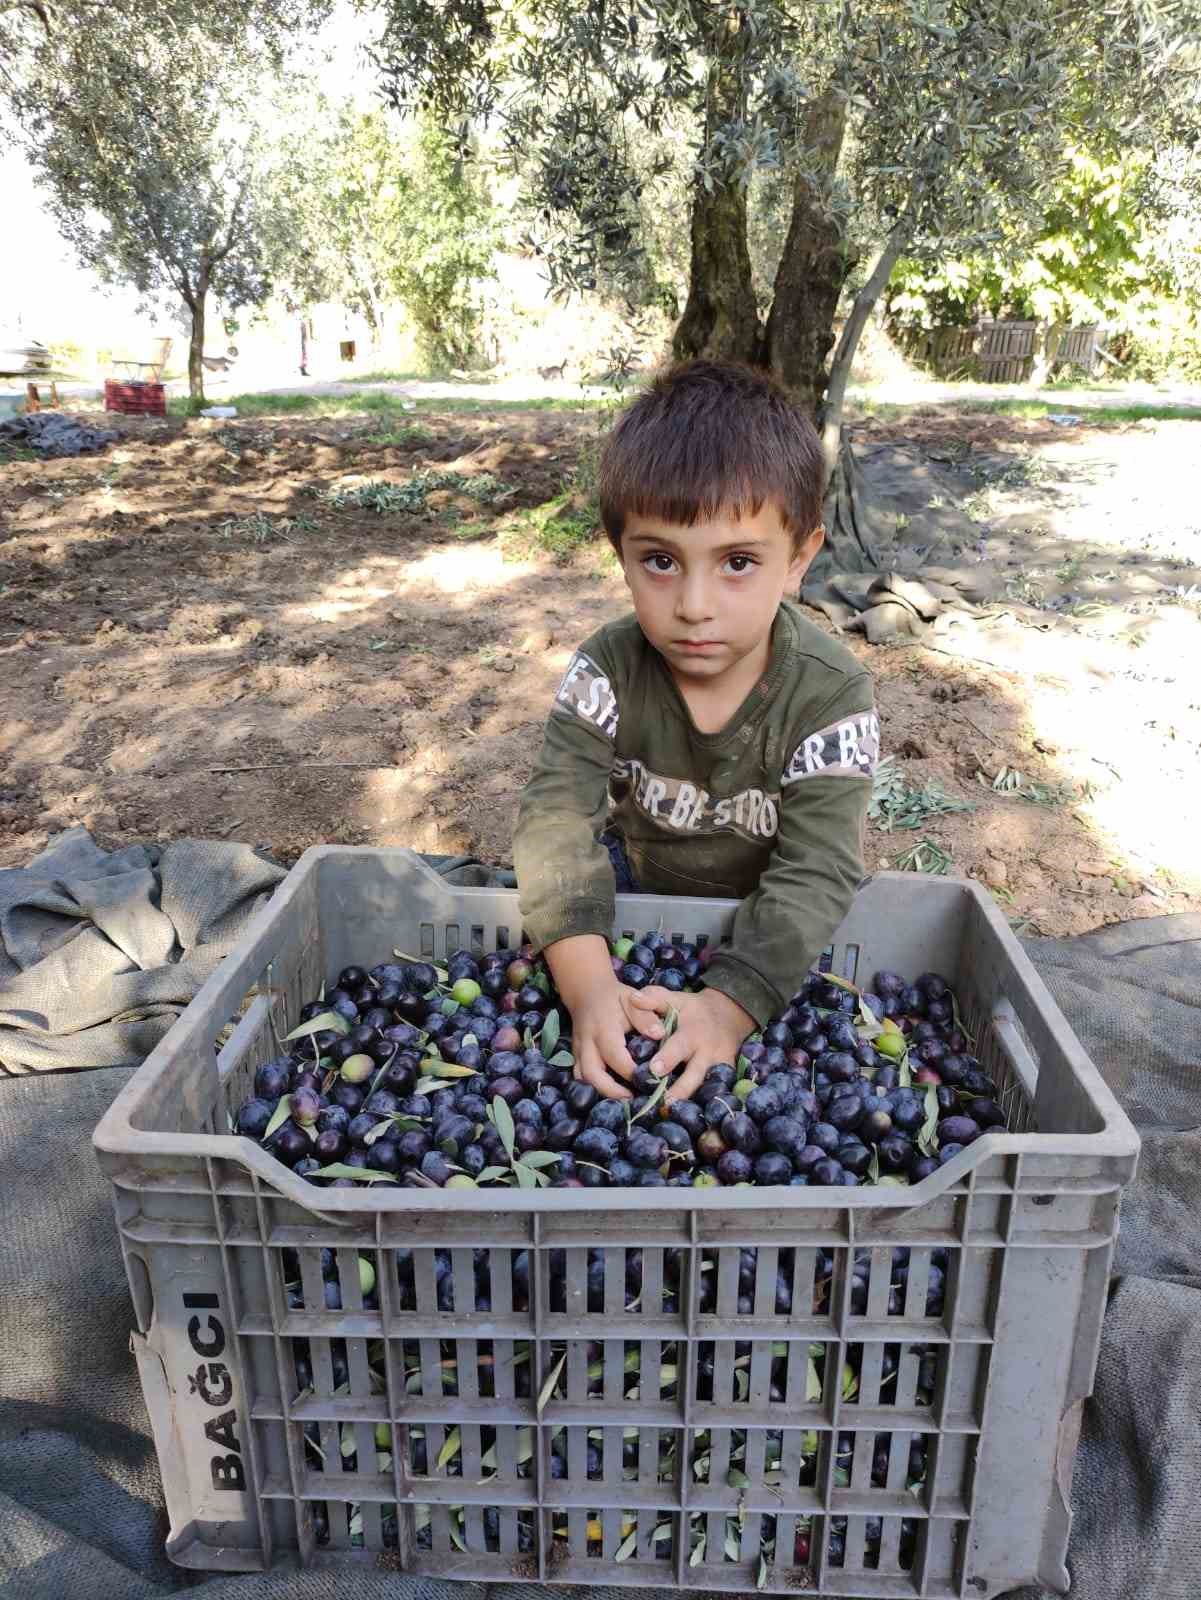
[[804, 557]]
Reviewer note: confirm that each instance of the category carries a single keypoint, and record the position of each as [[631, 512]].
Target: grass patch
[[376, 401], [392, 375], [561, 527], [411, 438], [1095, 416], [412, 496], [896, 803]]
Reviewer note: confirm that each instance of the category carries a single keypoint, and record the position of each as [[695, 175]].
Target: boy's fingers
[[669, 1056], [590, 1068], [654, 999], [689, 1080]]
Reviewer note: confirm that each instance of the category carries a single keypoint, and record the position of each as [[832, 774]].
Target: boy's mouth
[[698, 646]]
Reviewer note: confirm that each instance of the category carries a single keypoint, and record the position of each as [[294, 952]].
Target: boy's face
[[706, 596]]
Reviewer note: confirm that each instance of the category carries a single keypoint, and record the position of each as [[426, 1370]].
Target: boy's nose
[[693, 600]]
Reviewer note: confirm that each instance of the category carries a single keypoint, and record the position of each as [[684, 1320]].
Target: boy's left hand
[[711, 1028]]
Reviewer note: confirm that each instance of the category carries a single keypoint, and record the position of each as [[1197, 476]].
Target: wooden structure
[[1006, 351]]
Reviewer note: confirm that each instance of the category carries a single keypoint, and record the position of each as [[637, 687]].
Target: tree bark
[[840, 367], [197, 305], [721, 317], [814, 263]]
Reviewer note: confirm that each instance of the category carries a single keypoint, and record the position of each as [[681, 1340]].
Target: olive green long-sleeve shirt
[[770, 810]]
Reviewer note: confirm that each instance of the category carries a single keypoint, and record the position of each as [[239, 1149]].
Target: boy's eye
[[659, 561], [740, 564]]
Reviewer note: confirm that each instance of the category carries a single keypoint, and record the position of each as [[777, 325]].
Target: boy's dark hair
[[707, 434]]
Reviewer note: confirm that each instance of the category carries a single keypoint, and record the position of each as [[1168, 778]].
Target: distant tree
[[931, 117], [143, 126], [382, 213]]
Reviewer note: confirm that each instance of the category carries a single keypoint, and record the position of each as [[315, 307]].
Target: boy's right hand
[[602, 1010], [598, 1030]]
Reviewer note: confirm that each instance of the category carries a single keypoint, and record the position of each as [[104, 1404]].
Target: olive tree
[[921, 121], [145, 127]]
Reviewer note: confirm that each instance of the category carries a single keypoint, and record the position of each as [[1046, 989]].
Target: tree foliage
[[385, 213], [1095, 252], [944, 119], [147, 131]]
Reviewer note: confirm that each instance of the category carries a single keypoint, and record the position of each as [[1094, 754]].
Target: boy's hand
[[711, 1029], [598, 1034]]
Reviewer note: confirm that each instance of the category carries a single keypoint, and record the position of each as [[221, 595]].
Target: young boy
[[714, 743]]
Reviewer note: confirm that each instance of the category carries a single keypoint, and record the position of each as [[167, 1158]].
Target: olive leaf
[[742, 1069], [737, 1479], [431, 1085], [540, 1158], [904, 1075], [327, 1020], [873, 1166], [447, 1069], [548, 1388], [895, 1180], [761, 1572], [527, 1178], [627, 1547], [380, 1129], [503, 1118], [421, 961], [698, 1555], [850, 1383], [449, 1007], [456, 1538], [562, 1058], [670, 1022], [654, 1100], [493, 1174], [279, 1116], [732, 1551], [528, 1038], [813, 1382], [541, 981], [549, 1037], [348, 1446], [450, 1449], [927, 1139], [339, 1169]]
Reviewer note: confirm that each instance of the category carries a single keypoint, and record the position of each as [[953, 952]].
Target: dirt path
[[195, 639]]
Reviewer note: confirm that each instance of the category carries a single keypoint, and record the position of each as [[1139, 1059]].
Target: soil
[[195, 641]]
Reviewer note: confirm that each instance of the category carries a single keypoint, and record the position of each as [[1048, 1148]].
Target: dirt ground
[[196, 640]]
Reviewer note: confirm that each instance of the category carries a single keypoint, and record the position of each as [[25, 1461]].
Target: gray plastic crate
[[699, 1478]]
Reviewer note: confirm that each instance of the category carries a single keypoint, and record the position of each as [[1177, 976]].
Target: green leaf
[[841, 983], [456, 1538], [450, 1448], [503, 1118], [347, 1444], [627, 1547], [904, 1075], [737, 1479], [654, 1100], [431, 1085], [743, 1068], [698, 1555], [670, 1022], [528, 1038], [378, 1131], [495, 1175], [562, 1058], [850, 1382], [873, 1167], [541, 981], [733, 1553], [761, 1572], [540, 1158], [449, 1007], [813, 1382], [549, 1037], [527, 1178], [450, 1069], [548, 1388], [327, 1019], [339, 1169], [894, 1181], [927, 1139], [279, 1116]]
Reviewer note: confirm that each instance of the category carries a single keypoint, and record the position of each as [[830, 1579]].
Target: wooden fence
[[1004, 352]]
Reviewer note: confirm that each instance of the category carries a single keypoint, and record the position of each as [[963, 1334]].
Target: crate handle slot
[[1012, 1043], [257, 1013]]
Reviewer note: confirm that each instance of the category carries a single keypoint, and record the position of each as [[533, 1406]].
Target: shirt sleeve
[[783, 926], [564, 875]]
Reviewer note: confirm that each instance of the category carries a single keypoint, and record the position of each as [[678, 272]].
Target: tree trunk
[[813, 266], [197, 305], [721, 317], [840, 367]]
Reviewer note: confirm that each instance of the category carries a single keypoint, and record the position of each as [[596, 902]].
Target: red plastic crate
[[135, 399]]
